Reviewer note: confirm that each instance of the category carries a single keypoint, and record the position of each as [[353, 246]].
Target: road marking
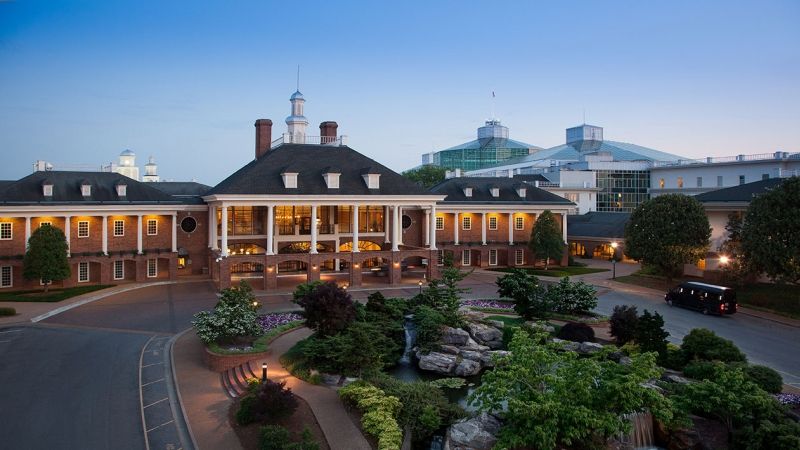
[[156, 402], [155, 428], [156, 381], [10, 331], [154, 364], [141, 394]]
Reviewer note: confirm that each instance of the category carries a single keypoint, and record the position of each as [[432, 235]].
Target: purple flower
[[788, 399], [492, 304], [274, 320]]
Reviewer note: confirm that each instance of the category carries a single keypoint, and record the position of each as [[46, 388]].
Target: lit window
[[152, 227], [519, 257], [5, 231], [83, 272], [680, 182], [466, 258], [492, 257], [152, 268], [519, 223], [661, 183], [440, 223], [741, 179], [119, 228], [492, 223], [119, 270], [573, 197], [699, 181], [6, 276], [49, 224], [83, 229], [466, 223]]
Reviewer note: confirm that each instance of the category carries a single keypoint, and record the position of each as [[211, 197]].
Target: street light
[[264, 372], [724, 260], [420, 287], [614, 260]]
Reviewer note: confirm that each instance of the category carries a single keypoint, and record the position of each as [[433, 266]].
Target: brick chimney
[[263, 137], [327, 132]]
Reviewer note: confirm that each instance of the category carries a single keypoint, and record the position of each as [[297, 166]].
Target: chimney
[[327, 132], [263, 137]]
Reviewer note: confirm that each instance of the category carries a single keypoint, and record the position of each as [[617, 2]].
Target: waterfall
[[641, 435], [411, 338]]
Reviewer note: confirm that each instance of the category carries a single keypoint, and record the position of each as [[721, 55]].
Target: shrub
[[444, 295], [673, 359], [569, 297], [529, 296], [700, 370], [765, 377], [271, 400], [360, 348], [328, 309], [234, 316], [650, 334], [274, 437], [576, 332], [623, 323], [703, 344], [8, 311], [304, 289], [379, 413], [429, 324]]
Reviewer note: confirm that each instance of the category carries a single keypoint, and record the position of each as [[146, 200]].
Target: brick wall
[[196, 243]]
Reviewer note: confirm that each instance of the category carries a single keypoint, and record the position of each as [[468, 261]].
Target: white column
[[510, 228], [395, 229], [564, 226], [386, 224], [67, 224], [224, 224], [27, 231], [270, 229], [400, 226], [139, 235], [105, 235], [426, 227], [211, 228], [432, 228], [455, 228], [214, 232], [355, 229], [483, 228], [174, 233], [313, 230]]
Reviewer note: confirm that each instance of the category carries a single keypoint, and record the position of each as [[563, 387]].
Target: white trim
[[10, 276], [466, 223], [493, 261], [10, 231], [154, 262], [80, 236], [466, 257], [519, 257], [80, 272], [148, 227], [114, 228], [122, 269], [519, 222], [258, 199], [95, 210], [439, 223], [493, 219]]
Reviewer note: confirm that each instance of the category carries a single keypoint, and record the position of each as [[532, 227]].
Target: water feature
[[641, 435], [411, 338]]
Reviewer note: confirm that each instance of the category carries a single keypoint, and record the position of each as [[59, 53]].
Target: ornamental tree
[[770, 230], [530, 299], [46, 257], [667, 232], [427, 176], [546, 238], [328, 309]]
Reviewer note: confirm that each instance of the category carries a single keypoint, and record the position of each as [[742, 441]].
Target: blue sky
[[184, 81]]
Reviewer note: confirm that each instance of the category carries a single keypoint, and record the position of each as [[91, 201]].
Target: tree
[[667, 232], [737, 268], [427, 175], [328, 309], [570, 297], [444, 294], [623, 323], [770, 230], [704, 345], [650, 334], [234, 316], [551, 398], [46, 257], [546, 238], [530, 299]]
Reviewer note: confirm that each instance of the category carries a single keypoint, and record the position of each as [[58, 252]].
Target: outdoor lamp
[[264, 372], [724, 259], [420, 286], [614, 261]]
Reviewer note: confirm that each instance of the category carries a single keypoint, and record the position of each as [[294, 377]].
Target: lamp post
[[420, 287], [264, 372], [614, 260]]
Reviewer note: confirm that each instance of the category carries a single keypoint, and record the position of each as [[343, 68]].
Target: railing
[[726, 159], [286, 138]]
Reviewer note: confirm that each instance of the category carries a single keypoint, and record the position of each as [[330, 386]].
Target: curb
[[184, 428]]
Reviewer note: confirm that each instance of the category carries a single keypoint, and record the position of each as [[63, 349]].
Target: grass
[[556, 271], [294, 360], [261, 344], [53, 295]]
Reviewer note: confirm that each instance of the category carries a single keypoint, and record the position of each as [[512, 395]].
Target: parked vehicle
[[708, 298]]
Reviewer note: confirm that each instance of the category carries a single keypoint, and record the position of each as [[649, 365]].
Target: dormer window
[[468, 192], [122, 190], [495, 191], [86, 190], [47, 189], [522, 192], [289, 180], [372, 180], [331, 179]]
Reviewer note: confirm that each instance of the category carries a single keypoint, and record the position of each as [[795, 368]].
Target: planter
[[221, 362]]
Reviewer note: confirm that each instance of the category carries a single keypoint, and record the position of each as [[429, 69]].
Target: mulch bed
[[303, 417]]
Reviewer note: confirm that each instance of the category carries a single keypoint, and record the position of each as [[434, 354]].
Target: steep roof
[[741, 193], [598, 224], [67, 190], [181, 188], [454, 190], [263, 175]]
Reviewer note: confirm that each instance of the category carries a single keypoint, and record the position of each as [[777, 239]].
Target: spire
[[297, 123]]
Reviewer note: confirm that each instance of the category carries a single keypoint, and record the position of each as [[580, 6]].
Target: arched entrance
[[291, 273]]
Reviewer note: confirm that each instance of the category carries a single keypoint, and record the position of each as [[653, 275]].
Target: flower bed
[[489, 305], [269, 322], [273, 325], [791, 400]]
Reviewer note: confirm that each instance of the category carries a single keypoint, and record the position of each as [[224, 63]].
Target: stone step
[[226, 384]]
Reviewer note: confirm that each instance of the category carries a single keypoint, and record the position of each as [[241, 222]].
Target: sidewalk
[[206, 405]]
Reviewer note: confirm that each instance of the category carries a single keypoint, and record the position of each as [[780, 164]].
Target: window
[[466, 257], [440, 258], [119, 228], [440, 223], [49, 224], [699, 181], [493, 257], [5, 230], [466, 223], [6, 276], [152, 227], [661, 183], [573, 197], [719, 180], [519, 223], [83, 272], [83, 229], [519, 257], [741, 179], [188, 224], [495, 192], [122, 190], [119, 270], [152, 268], [47, 190], [765, 176], [86, 190], [680, 182], [467, 192], [492, 223], [289, 180]]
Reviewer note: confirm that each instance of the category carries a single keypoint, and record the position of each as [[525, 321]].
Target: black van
[[708, 298]]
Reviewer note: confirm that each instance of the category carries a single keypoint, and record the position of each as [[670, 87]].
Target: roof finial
[[492, 118]]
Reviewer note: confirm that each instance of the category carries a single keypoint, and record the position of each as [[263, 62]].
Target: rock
[[349, 380], [625, 361], [567, 346], [484, 334], [487, 358], [472, 345], [616, 356], [588, 348], [472, 354], [451, 349], [330, 379], [539, 326], [496, 324], [672, 378], [652, 386], [438, 362], [454, 336], [477, 433], [468, 368]]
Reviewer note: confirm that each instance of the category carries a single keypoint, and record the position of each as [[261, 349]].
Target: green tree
[[46, 257], [361, 347], [650, 334], [737, 268], [546, 238], [770, 230], [444, 294], [667, 232], [570, 297], [530, 298], [427, 175], [552, 398]]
